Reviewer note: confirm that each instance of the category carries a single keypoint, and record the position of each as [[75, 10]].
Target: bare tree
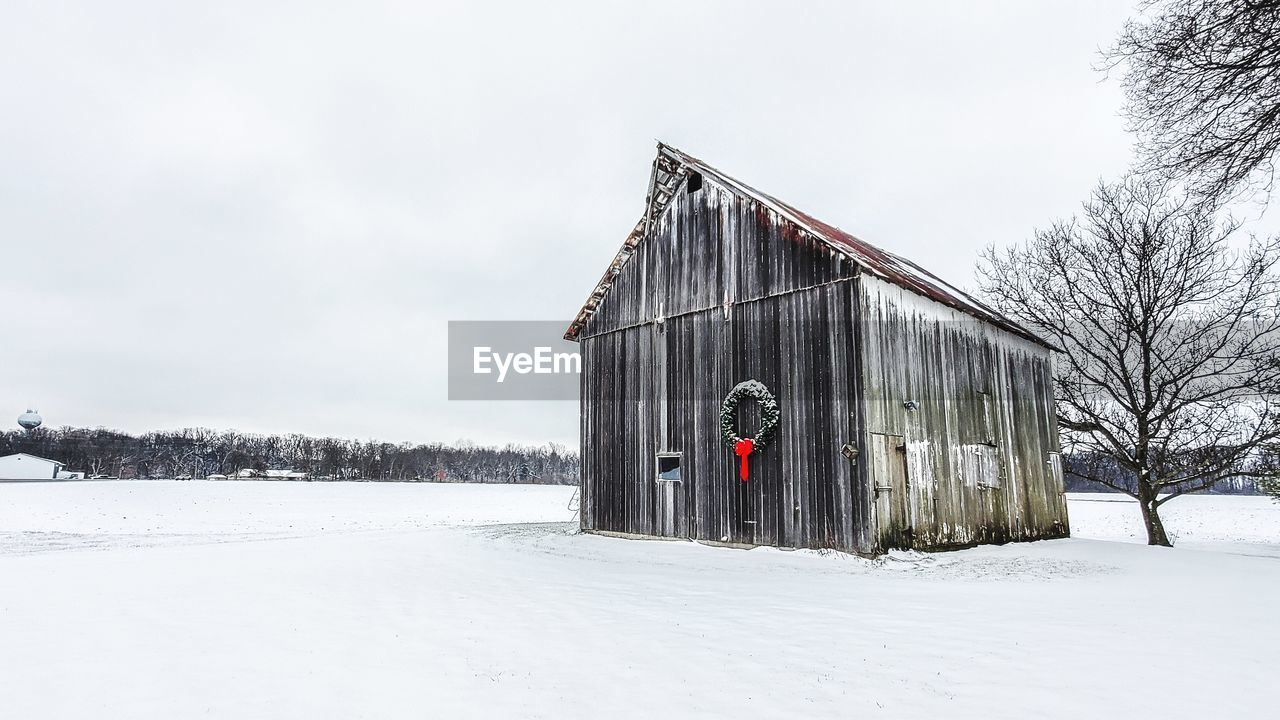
[[1168, 339], [1202, 79]]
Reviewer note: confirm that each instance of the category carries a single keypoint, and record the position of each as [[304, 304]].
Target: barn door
[[889, 478], [669, 497], [670, 516]]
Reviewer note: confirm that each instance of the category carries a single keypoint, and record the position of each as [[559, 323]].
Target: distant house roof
[[34, 457], [672, 166]]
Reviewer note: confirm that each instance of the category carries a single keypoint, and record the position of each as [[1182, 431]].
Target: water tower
[[30, 420]]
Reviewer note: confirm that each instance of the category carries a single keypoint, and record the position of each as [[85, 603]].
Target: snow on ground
[[1188, 520], [410, 601], [67, 515]]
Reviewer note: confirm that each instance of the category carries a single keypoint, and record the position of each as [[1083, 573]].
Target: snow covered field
[[379, 600]]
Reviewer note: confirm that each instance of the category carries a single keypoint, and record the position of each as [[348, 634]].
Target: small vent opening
[[694, 183]]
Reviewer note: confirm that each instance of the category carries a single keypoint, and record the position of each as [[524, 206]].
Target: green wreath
[[769, 414]]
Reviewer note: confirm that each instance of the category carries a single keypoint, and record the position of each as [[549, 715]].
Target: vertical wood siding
[[981, 444], [657, 387], [724, 290], [801, 491], [712, 247]]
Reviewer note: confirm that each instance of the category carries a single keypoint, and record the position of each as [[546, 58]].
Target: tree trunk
[[1151, 519]]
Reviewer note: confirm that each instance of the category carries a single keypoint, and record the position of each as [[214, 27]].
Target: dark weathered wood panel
[[712, 247], [785, 342]]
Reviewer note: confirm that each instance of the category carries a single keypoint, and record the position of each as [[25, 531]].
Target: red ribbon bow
[[743, 448]]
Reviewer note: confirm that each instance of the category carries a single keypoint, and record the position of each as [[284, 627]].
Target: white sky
[[262, 215]]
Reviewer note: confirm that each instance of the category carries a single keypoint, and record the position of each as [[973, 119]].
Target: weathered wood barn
[[903, 412]]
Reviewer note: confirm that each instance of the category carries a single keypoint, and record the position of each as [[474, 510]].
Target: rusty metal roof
[[672, 166]]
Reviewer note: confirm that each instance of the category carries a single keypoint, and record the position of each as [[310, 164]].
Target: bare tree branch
[[1202, 81]]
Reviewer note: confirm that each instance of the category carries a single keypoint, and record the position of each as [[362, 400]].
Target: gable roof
[[669, 171]]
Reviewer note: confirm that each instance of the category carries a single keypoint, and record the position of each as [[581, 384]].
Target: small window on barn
[[980, 466], [694, 184], [669, 467]]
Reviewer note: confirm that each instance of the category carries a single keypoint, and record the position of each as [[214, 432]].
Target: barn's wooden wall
[[651, 388], [651, 391], [980, 469], [725, 290]]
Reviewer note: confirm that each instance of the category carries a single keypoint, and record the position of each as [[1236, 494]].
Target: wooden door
[[669, 497], [892, 491]]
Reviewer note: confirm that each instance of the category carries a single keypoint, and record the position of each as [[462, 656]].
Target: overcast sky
[[262, 215]]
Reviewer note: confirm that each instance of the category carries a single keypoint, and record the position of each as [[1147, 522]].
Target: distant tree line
[[1081, 469], [200, 452]]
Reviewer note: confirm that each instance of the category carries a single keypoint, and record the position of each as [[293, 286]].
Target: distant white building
[[22, 466]]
